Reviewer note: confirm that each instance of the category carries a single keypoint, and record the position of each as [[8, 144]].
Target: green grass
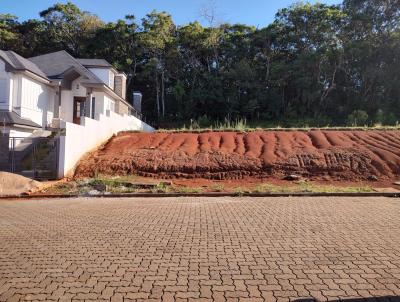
[[306, 187], [240, 191], [188, 190], [304, 129], [270, 188], [116, 185], [161, 188], [204, 124]]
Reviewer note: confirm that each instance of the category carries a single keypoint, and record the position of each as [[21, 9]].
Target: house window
[[93, 107], [3, 91]]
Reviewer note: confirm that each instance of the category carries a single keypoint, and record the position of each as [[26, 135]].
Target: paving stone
[[187, 249]]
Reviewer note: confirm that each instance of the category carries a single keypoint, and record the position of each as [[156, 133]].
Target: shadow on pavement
[[374, 299]]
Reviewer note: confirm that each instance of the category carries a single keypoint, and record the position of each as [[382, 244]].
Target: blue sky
[[252, 12]]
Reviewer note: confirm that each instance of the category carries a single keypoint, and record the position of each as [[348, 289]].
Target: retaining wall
[[80, 139]]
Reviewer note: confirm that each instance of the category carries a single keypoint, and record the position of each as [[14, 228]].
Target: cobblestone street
[[200, 249]]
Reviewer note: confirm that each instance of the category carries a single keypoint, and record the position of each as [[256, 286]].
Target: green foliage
[[70, 28], [240, 191], [357, 118], [161, 188], [315, 65], [8, 33]]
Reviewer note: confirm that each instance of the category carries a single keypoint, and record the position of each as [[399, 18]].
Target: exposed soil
[[13, 184], [316, 155]]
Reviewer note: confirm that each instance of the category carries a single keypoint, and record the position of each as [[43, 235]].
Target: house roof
[[95, 63], [55, 64], [58, 64], [16, 62], [12, 118]]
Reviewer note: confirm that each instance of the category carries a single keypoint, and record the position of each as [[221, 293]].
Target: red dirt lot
[[316, 155]]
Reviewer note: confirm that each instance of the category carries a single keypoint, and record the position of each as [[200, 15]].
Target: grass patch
[[116, 185], [240, 191], [307, 187], [218, 188], [243, 128], [189, 190], [270, 188], [161, 188]]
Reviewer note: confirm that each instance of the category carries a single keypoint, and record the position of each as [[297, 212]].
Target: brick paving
[[186, 249]]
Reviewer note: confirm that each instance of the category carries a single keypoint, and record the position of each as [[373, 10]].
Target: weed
[[161, 188], [189, 190], [307, 187], [241, 126], [239, 191], [270, 188], [218, 188]]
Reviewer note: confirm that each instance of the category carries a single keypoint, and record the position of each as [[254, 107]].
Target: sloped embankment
[[348, 155]]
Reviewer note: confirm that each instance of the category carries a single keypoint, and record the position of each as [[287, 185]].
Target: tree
[[69, 28], [315, 64], [9, 36], [156, 38], [118, 44]]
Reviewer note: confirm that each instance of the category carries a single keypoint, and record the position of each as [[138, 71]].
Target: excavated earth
[[338, 155]]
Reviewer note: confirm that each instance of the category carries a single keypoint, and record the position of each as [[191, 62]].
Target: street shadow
[[372, 299]]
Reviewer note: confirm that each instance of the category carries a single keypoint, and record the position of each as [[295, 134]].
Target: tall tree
[[156, 38], [9, 35], [69, 28]]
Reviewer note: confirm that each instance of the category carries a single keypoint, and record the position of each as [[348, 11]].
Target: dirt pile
[[13, 184], [232, 155]]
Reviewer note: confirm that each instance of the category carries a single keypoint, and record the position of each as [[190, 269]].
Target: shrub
[[357, 118]]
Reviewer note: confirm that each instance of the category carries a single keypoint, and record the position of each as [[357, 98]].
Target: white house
[[86, 97]]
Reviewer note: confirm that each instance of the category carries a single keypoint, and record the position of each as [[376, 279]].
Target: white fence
[[80, 139]]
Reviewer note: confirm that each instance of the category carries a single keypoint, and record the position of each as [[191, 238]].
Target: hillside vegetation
[[315, 65]]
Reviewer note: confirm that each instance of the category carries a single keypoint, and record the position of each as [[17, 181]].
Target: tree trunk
[[158, 96], [163, 93]]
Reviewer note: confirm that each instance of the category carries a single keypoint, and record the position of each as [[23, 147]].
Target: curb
[[166, 195]]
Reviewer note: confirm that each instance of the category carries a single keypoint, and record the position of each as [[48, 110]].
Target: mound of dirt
[[232, 155], [13, 184]]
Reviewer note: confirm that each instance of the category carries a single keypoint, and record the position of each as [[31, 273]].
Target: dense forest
[[313, 65]]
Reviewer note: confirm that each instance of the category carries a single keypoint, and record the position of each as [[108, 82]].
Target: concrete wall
[[20, 132], [80, 139]]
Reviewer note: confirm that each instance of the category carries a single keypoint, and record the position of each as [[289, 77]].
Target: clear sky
[[251, 12]]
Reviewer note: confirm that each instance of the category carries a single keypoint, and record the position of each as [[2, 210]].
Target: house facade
[[84, 97]]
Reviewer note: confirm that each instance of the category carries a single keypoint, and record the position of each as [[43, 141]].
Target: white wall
[[99, 104], [103, 101], [36, 101], [20, 132], [80, 139], [109, 103], [104, 74], [67, 100]]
